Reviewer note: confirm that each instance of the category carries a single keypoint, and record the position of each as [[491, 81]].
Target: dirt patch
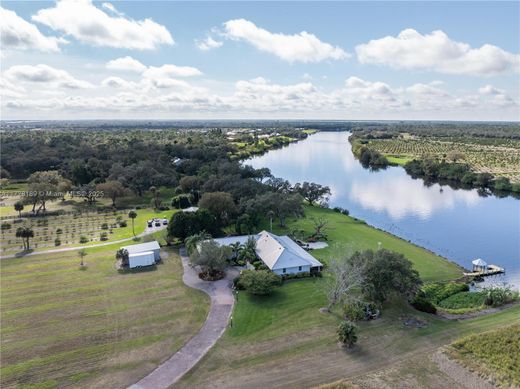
[[414, 322], [457, 372]]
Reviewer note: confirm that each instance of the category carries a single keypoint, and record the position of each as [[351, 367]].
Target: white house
[[279, 253], [143, 254]]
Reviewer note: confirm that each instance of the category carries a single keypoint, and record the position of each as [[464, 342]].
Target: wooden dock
[[491, 270]]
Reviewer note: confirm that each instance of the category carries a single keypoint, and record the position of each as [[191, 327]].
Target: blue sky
[[337, 60]]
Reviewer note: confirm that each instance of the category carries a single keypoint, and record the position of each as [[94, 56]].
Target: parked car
[[165, 222], [150, 224], [157, 223]]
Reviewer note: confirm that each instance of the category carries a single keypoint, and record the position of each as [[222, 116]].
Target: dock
[[490, 271]]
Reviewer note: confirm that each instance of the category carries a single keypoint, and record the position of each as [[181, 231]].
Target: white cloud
[[117, 82], [302, 47], [208, 44], [17, 33], [44, 74], [436, 51], [430, 89], [164, 95], [111, 8], [369, 90], [89, 24], [8, 89], [126, 64], [168, 70], [490, 90], [497, 96]]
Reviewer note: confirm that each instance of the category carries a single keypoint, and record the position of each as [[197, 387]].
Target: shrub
[[104, 226], [83, 239], [341, 210], [5, 226], [59, 231], [438, 291], [236, 283], [123, 223], [422, 304], [259, 282], [354, 311], [103, 236], [347, 333], [464, 300], [57, 242], [499, 296]]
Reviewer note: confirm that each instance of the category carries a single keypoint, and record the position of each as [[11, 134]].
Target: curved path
[[222, 301]]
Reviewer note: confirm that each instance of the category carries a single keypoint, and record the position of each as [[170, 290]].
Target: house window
[[284, 270], [299, 268]]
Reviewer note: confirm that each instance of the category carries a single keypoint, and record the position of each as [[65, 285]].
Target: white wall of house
[[293, 270]]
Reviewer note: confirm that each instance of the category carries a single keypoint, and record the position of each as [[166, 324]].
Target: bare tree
[[344, 277]]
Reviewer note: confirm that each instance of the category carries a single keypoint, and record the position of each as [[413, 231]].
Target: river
[[455, 223]]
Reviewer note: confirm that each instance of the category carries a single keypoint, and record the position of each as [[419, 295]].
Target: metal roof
[[139, 248], [479, 262], [279, 252]]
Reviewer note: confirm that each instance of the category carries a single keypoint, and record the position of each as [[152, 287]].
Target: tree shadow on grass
[[23, 253]]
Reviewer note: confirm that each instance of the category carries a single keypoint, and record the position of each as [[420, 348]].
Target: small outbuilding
[[146, 258], [479, 265], [147, 247]]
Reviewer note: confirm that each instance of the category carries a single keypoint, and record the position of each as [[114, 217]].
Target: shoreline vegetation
[[490, 165]]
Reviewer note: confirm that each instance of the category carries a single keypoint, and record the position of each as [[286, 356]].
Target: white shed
[[145, 258], [145, 247]]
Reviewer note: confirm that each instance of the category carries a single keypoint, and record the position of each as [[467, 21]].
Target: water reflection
[[400, 197], [456, 223]]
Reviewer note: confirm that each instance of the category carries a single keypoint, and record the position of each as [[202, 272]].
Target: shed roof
[[479, 262], [141, 254], [138, 248]]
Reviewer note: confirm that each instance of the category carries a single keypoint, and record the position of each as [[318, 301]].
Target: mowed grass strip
[[93, 327]]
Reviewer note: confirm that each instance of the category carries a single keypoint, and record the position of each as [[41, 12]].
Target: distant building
[[280, 254]]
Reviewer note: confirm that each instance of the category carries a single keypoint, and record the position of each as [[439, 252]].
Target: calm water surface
[[457, 224]]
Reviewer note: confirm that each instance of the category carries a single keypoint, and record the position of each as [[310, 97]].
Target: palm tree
[[26, 233], [132, 215], [18, 206], [191, 242], [248, 250], [82, 254], [235, 248]]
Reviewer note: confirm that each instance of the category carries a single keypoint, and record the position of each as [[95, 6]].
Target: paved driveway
[[222, 301]]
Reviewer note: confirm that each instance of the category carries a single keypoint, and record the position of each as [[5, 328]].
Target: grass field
[[284, 341], [500, 157], [344, 230], [494, 353], [95, 328]]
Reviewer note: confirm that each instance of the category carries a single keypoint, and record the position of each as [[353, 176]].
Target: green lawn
[[358, 235], [62, 326], [287, 333], [398, 159]]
